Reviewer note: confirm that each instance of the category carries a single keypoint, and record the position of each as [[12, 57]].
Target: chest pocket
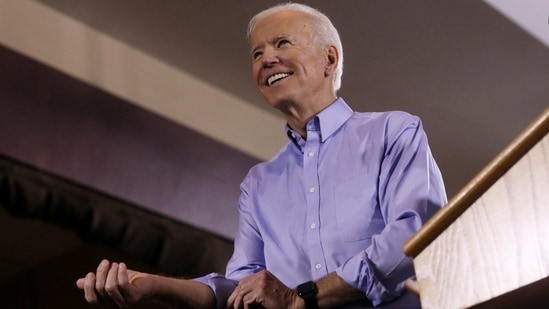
[[357, 211]]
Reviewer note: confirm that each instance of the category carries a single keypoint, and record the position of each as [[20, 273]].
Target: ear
[[332, 57]]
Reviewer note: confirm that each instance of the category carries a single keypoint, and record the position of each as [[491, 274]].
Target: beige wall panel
[[78, 50], [499, 244]]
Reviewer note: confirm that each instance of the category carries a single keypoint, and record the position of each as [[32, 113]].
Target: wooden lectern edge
[[510, 155]]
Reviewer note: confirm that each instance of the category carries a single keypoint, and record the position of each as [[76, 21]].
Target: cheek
[[255, 73], [311, 65]]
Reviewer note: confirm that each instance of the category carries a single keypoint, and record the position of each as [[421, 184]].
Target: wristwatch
[[307, 291]]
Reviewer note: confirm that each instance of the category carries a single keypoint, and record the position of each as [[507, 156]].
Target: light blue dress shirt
[[344, 200]]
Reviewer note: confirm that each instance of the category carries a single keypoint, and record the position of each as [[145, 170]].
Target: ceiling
[[474, 77]]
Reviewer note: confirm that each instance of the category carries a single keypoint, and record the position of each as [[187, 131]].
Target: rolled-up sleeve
[[247, 257], [410, 190]]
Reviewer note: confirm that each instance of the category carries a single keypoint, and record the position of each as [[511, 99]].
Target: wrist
[[298, 303], [307, 293], [155, 286]]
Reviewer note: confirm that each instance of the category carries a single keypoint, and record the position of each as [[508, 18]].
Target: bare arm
[[183, 292], [115, 285]]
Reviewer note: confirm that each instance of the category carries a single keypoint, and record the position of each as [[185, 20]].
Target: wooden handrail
[[510, 155]]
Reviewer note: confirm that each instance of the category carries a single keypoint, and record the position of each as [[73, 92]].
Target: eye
[[282, 42], [256, 55]]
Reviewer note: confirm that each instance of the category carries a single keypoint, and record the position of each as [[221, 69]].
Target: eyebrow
[[275, 38], [255, 49]]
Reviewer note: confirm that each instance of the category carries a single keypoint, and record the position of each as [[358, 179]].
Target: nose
[[269, 57]]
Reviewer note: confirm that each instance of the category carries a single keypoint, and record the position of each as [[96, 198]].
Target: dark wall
[[85, 175], [59, 124], [36, 201]]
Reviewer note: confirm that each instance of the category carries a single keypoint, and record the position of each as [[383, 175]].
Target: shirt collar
[[327, 121]]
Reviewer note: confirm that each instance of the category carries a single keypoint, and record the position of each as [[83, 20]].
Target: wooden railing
[[492, 238]]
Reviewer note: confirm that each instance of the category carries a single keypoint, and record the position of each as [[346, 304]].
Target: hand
[[262, 290], [114, 285]]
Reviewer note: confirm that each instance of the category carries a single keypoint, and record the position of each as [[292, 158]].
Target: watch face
[[306, 288], [307, 291]]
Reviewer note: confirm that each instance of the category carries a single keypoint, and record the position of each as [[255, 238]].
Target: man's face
[[288, 67]]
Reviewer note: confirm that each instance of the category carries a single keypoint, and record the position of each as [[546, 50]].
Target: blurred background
[[126, 126]]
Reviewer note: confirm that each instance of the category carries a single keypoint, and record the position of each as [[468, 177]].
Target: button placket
[[311, 182]]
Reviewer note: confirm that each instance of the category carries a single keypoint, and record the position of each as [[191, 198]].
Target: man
[[323, 223]]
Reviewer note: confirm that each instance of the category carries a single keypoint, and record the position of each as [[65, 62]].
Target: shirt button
[[310, 154], [312, 189], [318, 266], [313, 226]]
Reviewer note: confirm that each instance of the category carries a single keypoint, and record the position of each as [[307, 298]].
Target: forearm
[[178, 292]]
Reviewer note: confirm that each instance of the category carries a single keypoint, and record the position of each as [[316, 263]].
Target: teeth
[[276, 77]]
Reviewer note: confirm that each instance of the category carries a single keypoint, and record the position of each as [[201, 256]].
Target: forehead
[[283, 22]]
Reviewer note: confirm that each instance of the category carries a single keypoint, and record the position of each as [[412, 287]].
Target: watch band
[[307, 291]]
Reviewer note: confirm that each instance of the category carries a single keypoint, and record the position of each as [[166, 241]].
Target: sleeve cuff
[[221, 287]]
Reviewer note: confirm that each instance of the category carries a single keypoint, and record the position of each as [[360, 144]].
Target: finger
[[101, 277], [249, 301], [123, 282], [234, 300], [111, 285], [89, 288], [230, 300], [237, 303], [80, 283], [238, 299], [123, 275]]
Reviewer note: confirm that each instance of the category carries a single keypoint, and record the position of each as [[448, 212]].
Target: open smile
[[276, 77]]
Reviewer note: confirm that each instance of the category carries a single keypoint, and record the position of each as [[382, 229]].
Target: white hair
[[324, 31]]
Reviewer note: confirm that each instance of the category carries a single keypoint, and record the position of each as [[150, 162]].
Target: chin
[[283, 105], [279, 101]]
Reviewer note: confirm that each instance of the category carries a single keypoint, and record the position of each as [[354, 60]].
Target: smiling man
[[323, 223], [293, 65]]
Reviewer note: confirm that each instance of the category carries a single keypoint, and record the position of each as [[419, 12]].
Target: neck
[[298, 115]]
